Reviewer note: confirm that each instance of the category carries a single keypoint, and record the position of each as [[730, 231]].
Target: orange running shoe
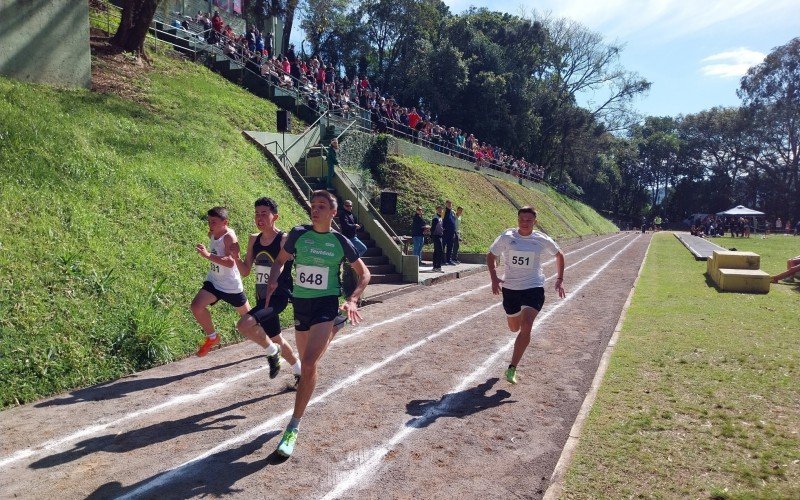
[[208, 345]]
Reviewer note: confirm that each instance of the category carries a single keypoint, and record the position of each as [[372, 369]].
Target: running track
[[408, 404]]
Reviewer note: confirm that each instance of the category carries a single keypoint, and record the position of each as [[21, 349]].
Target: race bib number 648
[[313, 277]]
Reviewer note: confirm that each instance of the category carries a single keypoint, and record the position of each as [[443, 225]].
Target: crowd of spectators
[[324, 88]]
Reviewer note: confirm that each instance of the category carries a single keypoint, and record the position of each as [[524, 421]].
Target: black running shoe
[[274, 363], [296, 382], [339, 320]]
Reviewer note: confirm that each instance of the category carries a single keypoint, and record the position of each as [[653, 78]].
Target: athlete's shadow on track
[[214, 475], [119, 388], [456, 404], [152, 434]]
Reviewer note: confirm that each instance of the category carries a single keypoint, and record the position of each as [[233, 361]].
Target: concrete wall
[[46, 41]]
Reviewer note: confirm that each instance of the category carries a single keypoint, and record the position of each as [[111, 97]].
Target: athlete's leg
[[514, 322], [313, 347], [251, 330], [199, 308], [524, 335], [286, 349]]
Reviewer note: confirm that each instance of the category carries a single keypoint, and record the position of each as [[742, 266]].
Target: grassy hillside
[[103, 201], [486, 211]]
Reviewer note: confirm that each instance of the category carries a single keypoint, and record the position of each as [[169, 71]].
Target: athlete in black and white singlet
[[224, 279], [265, 255]]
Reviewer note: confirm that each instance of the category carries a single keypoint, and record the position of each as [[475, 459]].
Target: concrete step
[[386, 278], [743, 280], [375, 261], [373, 252], [380, 269], [736, 260]]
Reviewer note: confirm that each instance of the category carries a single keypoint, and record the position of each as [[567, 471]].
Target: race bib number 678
[[313, 277]]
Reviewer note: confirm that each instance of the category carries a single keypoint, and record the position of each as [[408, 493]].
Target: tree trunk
[[291, 6], [136, 18]]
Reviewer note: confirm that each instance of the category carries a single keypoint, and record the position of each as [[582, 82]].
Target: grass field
[[702, 395]]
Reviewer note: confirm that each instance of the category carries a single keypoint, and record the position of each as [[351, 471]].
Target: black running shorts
[[309, 312], [234, 299], [515, 300], [268, 318]]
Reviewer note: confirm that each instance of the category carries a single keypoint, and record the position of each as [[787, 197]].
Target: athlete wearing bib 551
[[318, 253], [522, 250], [262, 324]]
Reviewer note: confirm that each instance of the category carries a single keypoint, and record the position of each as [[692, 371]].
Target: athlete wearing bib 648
[[522, 285], [318, 254]]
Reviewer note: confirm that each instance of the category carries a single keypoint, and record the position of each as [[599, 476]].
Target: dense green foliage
[[516, 81], [702, 395], [103, 201]]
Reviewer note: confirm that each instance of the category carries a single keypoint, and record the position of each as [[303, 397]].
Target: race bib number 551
[[522, 260], [313, 277]]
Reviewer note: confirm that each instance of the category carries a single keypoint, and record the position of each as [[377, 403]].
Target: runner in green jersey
[[318, 253]]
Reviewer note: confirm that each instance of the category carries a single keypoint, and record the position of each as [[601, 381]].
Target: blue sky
[[693, 51]]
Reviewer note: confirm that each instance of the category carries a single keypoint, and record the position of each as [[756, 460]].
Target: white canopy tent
[[741, 210]]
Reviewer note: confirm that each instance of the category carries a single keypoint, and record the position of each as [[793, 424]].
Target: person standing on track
[[318, 254], [523, 280], [223, 281], [262, 324]]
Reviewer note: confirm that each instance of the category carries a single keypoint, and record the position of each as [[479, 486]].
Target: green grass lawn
[[702, 395], [103, 201]]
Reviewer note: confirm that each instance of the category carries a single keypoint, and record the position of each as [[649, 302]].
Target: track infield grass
[[701, 398]]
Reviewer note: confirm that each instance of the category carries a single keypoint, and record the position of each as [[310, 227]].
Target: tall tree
[[771, 93], [133, 25]]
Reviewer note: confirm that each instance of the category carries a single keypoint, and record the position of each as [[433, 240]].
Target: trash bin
[[388, 202]]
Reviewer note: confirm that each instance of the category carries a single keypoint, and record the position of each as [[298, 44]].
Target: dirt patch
[[116, 72]]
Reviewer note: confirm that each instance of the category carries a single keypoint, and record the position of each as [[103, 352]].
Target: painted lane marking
[[272, 425], [371, 464], [54, 444]]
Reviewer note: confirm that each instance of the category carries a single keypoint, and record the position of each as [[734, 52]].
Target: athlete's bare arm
[[350, 307]]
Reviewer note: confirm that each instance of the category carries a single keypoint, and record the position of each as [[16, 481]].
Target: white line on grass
[[371, 464], [272, 424], [53, 444]]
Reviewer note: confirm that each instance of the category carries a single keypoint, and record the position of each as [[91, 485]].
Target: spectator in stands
[[347, 223], [418, 228], [333, 160], [449, 234], [217, 24]]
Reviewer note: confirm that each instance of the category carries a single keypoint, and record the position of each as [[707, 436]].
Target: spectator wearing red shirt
[[217, 23]]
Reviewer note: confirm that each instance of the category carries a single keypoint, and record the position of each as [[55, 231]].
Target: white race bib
[[262, 274], [313, 277], [521, 260]]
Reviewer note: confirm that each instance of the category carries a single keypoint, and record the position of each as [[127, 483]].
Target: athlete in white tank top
[[224, 279]]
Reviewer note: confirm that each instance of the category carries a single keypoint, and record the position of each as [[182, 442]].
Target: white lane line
[[360, 331], [94, 429], [370, 465], [55, 443], [273, 424]]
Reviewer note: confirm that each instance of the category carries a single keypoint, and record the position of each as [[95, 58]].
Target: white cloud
[[662, 20], [731, 63]]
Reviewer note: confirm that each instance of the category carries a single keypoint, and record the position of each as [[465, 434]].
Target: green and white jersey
[[317, 259]]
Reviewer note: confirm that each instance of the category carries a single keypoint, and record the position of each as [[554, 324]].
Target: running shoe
[[339, 320], [296, 382], [274, 363], [286, 446], [511, 375], [208, 345]]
